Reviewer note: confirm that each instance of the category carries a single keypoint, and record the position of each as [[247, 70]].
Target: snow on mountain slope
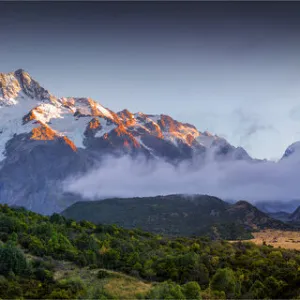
[[11, 123], [19, 86], [86, 123], [45, 139]]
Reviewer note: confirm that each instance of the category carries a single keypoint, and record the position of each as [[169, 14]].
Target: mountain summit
[[19, 85], [89, 125], [45, 139]]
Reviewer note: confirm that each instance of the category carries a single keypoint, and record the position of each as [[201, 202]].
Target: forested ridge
[[177, 215], [33, 247]]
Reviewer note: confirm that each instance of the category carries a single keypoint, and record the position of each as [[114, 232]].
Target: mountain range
[[45, 139]]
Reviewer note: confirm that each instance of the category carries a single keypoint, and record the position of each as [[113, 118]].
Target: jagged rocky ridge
[[84, 123], [45, 139]]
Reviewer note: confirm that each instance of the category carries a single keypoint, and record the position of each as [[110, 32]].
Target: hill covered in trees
[[58, 258], [177, 215]]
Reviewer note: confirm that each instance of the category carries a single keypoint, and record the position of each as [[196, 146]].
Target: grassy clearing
[[126, 288], [278, 238], [116, 284]]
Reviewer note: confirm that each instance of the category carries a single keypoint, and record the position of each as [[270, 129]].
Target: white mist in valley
[[236, 180]]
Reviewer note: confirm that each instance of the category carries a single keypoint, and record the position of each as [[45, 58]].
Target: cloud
[[254, 128], [249, 125], [235, 180], [294, 113]]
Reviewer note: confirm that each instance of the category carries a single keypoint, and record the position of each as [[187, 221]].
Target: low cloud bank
[[251, 181]]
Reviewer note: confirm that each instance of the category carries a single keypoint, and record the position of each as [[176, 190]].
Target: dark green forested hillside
[[53, 257], [177, 215]]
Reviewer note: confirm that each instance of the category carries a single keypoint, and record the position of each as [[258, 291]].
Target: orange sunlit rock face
[[94, 124], [180, 131], [43, 132], [159, 133], [126, 144], [135, 142], [9, 90], [94, 110], [70, 143], [121, 130], [130, 122], [116, 118], [29, 117], [168, 123], [190, 139], [128, 118], [68, 103], [126, 114]]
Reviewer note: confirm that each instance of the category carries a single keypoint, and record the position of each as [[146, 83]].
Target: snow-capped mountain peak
[[50, 138], [19, 85], [88, 124]]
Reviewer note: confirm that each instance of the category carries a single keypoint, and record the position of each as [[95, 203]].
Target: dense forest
[[178, 215], [35, 250]]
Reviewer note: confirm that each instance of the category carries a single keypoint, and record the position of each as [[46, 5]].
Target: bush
[[74, 285], [102, 274], [43, 274], [224, 280], [166, 290], [12, 259], [192, 290]]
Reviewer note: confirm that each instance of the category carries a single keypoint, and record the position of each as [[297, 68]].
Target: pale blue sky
[[231, 70]]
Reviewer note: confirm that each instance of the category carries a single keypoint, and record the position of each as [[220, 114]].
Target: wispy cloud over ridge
[[234, 180]]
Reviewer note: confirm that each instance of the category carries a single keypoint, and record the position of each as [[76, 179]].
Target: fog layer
[[234, 180]]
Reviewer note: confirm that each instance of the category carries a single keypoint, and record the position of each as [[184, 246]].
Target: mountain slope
[[177, 215], [295, 216], [45, 139], [280, 215], [87, 124]]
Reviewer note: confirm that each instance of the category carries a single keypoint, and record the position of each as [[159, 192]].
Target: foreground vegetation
[[58, 258]]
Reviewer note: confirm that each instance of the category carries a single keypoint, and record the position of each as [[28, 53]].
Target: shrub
[[12, 259], [102, 274], [192, 290]]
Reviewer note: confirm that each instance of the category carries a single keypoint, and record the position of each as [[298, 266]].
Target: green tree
[[166, 290], [192, 290], [224, 280], [12, 259], [258, 290], [274, 286], [57, 218], [36, 246]]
